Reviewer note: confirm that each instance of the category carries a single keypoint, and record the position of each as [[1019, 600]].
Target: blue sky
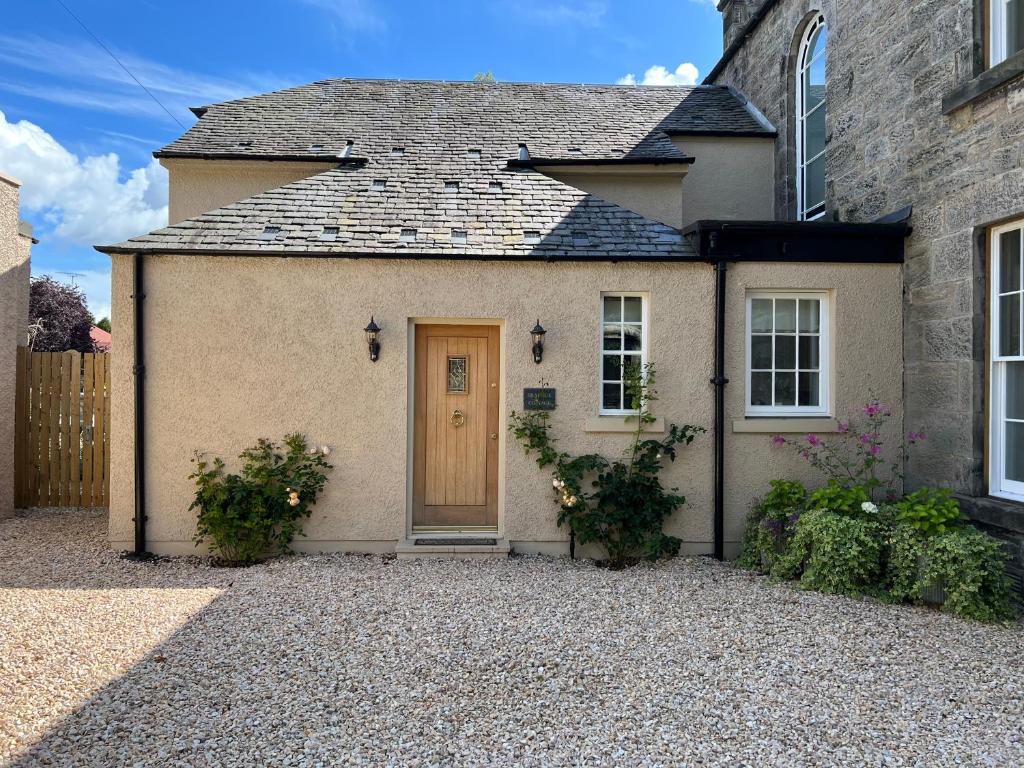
[[79, 133]]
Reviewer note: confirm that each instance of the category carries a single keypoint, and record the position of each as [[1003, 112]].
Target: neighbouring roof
[[100, 339], [448, 155]]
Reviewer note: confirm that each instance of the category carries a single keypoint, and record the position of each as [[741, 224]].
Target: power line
[[122, 66]]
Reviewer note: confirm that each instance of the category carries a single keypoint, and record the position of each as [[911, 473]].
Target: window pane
[[808, 389], [1009, 324], [634, 309], [612, 337], [818, 42], [785, 315], [1014, 453], [1009, 261], [814, 183], [761, 315], [785, 352], [814, 134], [785, 389], [1014, 26], [760, 352], [611, 370], [1014, 390], [629, 405], [809, 352], [630, 361], [760, 389], [457, 375], [810, 315], [612, 309], [633, 337], [612, 397]]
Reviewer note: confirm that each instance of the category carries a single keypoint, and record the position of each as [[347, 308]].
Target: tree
[[484, 77], [58, 317], [104, 323]]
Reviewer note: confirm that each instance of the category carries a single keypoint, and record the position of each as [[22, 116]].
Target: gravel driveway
[[365, 661]]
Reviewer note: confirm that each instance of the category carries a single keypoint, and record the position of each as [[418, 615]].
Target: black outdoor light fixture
[[538, 342], [372, 332]]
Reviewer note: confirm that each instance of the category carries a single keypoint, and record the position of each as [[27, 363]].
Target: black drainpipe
[[139, 370], [719, 381]]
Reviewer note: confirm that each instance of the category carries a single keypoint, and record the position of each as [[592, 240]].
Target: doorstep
[[435, 547]]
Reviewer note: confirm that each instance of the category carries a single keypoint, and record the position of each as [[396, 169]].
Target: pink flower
[[866, 438], [778, 441], [813, 440], [915, 437], [844, 427], [873, 408], [875, 450]]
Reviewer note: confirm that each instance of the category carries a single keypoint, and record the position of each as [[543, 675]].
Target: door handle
[[458, 418]]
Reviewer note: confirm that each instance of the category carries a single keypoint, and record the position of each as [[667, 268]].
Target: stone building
[[884, 104], [15, 244]]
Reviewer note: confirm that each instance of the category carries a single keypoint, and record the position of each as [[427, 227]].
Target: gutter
[[719, 381], [307, 158], [539, 162]]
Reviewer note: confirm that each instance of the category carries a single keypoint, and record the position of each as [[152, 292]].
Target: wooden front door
[[455, 460]]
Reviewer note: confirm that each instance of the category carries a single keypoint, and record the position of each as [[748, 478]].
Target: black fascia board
[[539, 162], [799, 241], [353, 161]]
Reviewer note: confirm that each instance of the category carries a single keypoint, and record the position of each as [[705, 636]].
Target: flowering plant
[[626, 511], [857, 456]]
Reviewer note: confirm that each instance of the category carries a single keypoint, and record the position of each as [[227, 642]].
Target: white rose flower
[[554, 482], [326, 450], [293, 501], [868, 507]]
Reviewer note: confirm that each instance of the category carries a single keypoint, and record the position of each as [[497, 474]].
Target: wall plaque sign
[[539, 399]]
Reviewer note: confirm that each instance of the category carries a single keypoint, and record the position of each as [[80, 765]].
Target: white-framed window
[[787, 353], [1006, 29], [623, 343], [810, 121], [1006, 395]]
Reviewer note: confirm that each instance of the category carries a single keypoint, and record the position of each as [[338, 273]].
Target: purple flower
[[813, 440], [875, 450], [915, 437], [866, 438], [778, 441], [873, 408], [844, 427]]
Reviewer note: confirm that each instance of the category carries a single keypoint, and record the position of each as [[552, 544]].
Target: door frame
[[411, 428]]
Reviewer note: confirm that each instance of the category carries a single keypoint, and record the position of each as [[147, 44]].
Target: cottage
[[634, 224]]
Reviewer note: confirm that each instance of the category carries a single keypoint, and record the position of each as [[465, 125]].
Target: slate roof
[[601, 121], [465, 133]]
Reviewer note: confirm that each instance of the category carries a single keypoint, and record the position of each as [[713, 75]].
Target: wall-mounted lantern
[[372, 334], [538, 341]]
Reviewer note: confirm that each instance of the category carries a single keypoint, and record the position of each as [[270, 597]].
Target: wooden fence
[[62, 429]]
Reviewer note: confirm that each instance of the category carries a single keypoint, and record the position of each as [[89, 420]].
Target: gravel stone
[[352, 660]]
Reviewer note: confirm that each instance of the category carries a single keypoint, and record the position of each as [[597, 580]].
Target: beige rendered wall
[[731, 178], [15, 244], [276, 345], [197, 186], [657, 196]]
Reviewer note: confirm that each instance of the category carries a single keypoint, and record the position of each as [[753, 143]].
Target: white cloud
[[84, 201], [358, 15], [685, 74]]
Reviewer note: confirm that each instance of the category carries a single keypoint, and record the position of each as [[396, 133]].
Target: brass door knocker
[[458, 418]]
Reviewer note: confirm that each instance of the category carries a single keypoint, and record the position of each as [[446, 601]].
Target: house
[[635, 224], [15, 247], [890, 104], [101, 339]]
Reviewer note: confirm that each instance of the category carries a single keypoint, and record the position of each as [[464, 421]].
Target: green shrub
[[259, 511], [770, 525], [839, 499], [833, 553], [627, 509], [929, 511], [965, 562]]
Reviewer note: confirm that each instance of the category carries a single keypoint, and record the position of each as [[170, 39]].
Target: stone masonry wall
[[890, 63]]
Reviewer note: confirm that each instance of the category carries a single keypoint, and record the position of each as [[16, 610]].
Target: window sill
[[984, 83], [619, 424], [999, 513], [788, 425]]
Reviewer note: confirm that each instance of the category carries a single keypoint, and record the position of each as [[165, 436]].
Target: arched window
[[810, 121]]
